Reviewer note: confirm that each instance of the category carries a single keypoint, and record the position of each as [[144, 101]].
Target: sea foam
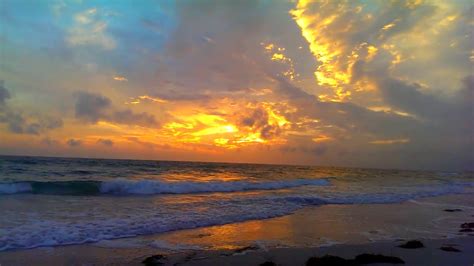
[[149, 187], [146, 217]]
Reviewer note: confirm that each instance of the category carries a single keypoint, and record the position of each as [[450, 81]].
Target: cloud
[[258, 120], [146, 144], [14, 121], [215, 58], [347, 116], [128, 117], [390, 141], [4, 94], [90, 29], [106, 142], [120, 78], [339, 34], [49, 142], [92, 107], [220, 85], [19, 123], [445, 124], [74, 142], [306, 146]]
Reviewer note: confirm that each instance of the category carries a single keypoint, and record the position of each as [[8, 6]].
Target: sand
[[429, 255], [340, 230], [92, 255]]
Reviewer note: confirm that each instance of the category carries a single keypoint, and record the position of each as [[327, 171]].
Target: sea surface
[[64, 201]]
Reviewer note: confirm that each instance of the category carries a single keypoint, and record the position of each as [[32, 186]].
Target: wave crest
[[149, 187]]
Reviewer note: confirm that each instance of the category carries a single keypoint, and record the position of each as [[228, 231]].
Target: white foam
[[149, 187], [141, 216], [41, 233]]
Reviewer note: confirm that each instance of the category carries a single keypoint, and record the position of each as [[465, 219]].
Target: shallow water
[[60, 201]]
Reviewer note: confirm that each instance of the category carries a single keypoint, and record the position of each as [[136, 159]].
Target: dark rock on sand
[[466, 230], [268, 263], [467, 225], [453, 210], [329, 260], [154, 260], [449, 249], [412, 244]]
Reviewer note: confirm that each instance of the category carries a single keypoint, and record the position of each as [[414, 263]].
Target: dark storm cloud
[[92, 107]]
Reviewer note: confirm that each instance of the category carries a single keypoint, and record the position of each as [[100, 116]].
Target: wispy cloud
[[90, 29], [390, 141], [120, 78]]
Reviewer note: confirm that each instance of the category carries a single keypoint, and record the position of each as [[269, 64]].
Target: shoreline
[[339, 230], [430, 254]]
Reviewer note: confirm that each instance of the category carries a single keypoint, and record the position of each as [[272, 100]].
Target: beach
[[236, 132], [338, 230], [89, 255]]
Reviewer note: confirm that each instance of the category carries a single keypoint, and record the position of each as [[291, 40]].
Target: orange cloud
[[120, 78], [390, 141]]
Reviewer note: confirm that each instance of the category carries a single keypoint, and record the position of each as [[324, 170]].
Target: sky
[[362, 83]]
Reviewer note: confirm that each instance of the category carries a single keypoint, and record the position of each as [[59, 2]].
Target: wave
[[45, 233], [144, 217], [148, 187]]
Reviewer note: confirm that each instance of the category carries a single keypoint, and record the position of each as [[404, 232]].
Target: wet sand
[[431, 254], [340, 230]]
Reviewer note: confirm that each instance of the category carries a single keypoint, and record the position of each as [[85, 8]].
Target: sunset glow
[[306, 82]]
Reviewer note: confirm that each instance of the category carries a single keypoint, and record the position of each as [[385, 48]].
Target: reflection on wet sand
[[330, 224]]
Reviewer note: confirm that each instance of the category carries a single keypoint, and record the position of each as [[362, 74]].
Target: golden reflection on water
[[199, 177]]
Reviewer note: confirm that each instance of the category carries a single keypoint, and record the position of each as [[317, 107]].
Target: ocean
[[63, 201]]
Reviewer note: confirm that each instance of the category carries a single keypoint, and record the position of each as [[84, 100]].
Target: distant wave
[[147, 187]]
